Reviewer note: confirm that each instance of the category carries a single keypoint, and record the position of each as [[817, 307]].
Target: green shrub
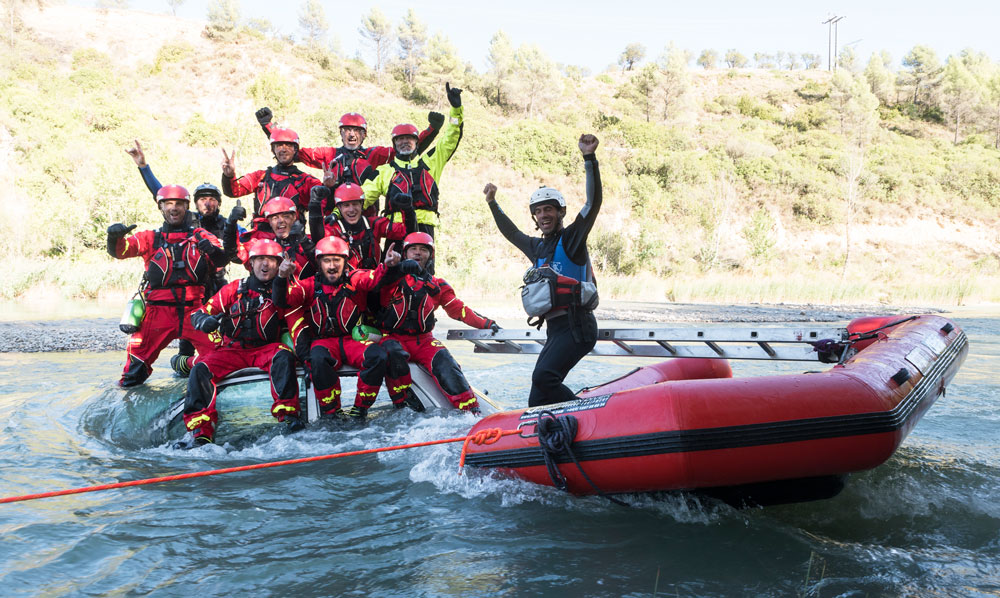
[[198, 132], [271, 89], [754, 108]]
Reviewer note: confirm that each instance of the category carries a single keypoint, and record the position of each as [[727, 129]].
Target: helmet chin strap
[[405, 157]]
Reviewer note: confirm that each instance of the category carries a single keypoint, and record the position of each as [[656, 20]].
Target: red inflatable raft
[[688, 424]]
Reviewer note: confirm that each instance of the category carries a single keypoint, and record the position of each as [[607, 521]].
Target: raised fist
[[454, 95], [435, 120], [411, 267], [263, 115], [238, 212]]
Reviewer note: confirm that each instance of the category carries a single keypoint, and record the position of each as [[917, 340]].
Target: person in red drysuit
[[352, 162], [180, 260], [278, 222], [283, 179], [407, 299], [251, 326], [363, 234], [334, 301]]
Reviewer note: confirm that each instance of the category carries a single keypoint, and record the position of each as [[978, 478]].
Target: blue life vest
[[564, 266]]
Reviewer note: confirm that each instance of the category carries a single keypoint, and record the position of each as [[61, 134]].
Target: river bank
[[87, 333]]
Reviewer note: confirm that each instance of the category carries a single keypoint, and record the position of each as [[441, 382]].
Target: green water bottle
[[364, 332], [286, 339], [132, 318]]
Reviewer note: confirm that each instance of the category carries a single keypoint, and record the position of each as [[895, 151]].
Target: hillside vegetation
[[728, 185]]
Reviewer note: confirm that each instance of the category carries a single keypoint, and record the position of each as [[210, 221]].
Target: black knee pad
[[283, 374], [448, 373], [319, 354], [398, 359], [373, 367]]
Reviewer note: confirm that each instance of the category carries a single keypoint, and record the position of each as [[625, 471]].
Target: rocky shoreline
[[102, 334]]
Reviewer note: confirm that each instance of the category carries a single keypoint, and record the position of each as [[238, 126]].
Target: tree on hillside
[[857, 107], [377, 30], [848, 59], [993, 90], [641, 89], [763, 61], [261, 25], [708, 59], [174, 5], [442, 64], [962, 93], [922, 72], [810, 60], [538, 79], [223, 15], [501, 61], [312, 21], [734, 59], [673, 80], [632, 54], [412, 36], [790, 60], [881, 80]]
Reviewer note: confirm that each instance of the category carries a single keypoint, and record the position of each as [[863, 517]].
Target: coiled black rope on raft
[[555, 438]]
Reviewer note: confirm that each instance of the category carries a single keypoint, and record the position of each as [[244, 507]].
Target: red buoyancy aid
[[336, 309], [251, 319], [177, 270], [408, 306], [414, 182]]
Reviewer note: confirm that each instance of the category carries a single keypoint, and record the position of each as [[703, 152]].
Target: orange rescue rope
[[487, 436]]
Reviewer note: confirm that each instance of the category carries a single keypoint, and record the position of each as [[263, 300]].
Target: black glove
[[492, 325], [118, 230], [411, 267], [436, 119], [318, 194], [238, 213], [297, 231], [263, 115], [454, 95], [204, 322], [206, 246], [401, 202]]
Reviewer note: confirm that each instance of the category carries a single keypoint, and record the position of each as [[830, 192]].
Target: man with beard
[[251, 326], [283, 179], [179, 259], [207, 200], [352, 162], [363, 234], [278, 222], [407, 298], [571, 328], [334, 302], [410, 179]]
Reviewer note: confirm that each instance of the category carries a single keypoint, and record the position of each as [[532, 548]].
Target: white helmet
[[546, 195]]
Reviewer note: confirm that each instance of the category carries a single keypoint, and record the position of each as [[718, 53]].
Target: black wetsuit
[[571, 333]]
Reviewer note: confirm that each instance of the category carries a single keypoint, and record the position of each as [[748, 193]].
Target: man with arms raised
[[571, 327], [180, 259]]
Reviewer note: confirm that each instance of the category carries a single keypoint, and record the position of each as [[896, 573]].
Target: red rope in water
[[482, 437]]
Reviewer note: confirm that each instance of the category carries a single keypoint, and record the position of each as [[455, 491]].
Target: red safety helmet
[[404, 129], [265, 248], [347, 192], [278, 205], [332, 245], [353, 119], [419, 239], [172, 192], [284, 136]]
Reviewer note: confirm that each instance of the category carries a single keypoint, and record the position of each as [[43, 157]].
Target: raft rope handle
[[556, 438], [873, 333], [487, 436]]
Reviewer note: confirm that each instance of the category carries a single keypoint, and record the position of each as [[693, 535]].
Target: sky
[[593, 33]]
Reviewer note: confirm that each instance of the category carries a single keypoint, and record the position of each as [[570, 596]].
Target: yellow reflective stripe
[[196, 421], [280, 408], [465, 404], [367, 394], [298, 324], [400, 388]]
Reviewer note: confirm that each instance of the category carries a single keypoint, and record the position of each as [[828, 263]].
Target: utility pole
[[831, 41]]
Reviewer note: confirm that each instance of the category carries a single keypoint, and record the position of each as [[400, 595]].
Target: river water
[[926, 523]]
